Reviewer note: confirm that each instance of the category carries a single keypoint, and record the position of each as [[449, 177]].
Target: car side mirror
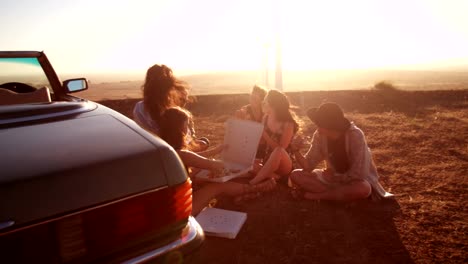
[[75, 85]]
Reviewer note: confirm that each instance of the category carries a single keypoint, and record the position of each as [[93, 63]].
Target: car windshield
[[22, 70]]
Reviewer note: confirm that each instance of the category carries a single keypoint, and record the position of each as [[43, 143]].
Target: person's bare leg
[[307, 181], [202, 197], [353, 191], [279, 162], [257, 166]]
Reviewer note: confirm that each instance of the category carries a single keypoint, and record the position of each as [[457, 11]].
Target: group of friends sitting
[[350, 173]]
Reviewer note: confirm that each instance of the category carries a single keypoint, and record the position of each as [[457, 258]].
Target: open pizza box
[[241, 138]]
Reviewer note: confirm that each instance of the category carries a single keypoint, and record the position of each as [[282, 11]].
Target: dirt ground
[[419, 142]]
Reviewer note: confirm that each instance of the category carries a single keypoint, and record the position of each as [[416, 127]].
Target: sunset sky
[[207, 35]]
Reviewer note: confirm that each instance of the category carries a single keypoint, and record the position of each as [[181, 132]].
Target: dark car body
[[80, 182]]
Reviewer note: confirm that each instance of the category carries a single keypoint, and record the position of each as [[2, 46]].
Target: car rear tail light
[[104, 231]]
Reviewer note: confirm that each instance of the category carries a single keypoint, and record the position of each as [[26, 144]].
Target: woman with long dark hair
[[161, 91], [280, 128]]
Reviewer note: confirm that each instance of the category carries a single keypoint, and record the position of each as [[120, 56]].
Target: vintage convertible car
[[80, 182]]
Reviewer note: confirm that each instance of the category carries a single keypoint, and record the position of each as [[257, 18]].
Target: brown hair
[[279, 102], [330, 116], [172, 127], [159, 90], [260, 90]]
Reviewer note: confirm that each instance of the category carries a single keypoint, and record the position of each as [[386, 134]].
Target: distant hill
[[241, 82], [326, 80]]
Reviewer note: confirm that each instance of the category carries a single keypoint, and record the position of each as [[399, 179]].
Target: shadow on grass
[[282, 230]]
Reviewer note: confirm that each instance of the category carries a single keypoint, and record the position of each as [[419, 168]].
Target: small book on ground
[[241, 138], [220, 222]]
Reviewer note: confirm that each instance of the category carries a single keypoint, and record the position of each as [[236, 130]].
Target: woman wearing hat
[[350, 173]]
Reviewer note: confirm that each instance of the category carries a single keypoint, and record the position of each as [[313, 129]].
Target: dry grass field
[[420, 145]]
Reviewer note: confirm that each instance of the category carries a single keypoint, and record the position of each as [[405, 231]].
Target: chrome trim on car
[[194, 231]]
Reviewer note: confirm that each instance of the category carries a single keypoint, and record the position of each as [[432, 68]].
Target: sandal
[[251, 192], [267, 185]]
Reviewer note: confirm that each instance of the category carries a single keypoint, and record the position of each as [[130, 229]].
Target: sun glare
[[245, 35], [215, 35], [369, 34]]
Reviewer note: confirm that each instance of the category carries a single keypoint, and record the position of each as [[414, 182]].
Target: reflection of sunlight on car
[[84, 180]]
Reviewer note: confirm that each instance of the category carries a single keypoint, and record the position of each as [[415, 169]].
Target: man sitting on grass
[[350, 173]]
